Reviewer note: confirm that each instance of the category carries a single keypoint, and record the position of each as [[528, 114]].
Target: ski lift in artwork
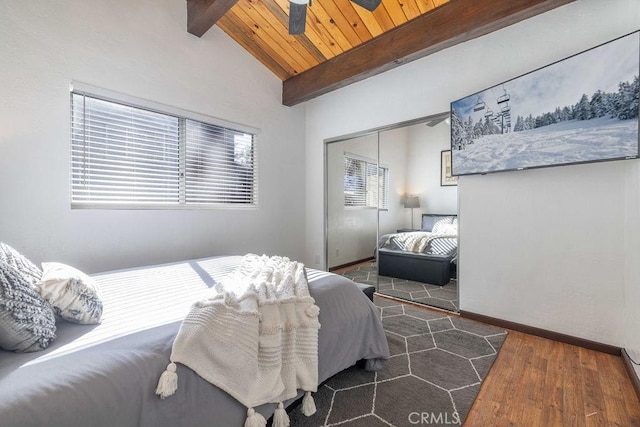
[[488, 114], [479, 105], [503, 98]]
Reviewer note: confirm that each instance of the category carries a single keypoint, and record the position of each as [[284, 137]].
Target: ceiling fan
[[298, 12]]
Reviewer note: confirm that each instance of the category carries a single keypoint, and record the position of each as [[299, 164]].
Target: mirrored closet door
[[391, 211], [351, 181]]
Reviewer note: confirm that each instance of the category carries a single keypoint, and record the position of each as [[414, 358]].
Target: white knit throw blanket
[[255, 336]]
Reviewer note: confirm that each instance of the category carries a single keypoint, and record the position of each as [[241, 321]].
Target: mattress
[[105, 375]]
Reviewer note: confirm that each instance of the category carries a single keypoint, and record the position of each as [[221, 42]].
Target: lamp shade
[[412, 202]]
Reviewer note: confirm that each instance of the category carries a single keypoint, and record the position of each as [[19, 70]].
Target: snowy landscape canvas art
[[581, 109]]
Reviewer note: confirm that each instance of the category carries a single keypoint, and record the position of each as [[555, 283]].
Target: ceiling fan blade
[[297, 17], [434, 122], [370, 5]]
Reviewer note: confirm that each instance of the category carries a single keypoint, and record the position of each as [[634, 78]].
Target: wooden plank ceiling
[[344, 42]]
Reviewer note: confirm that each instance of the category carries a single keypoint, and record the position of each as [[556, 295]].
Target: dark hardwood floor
[[539, 382]]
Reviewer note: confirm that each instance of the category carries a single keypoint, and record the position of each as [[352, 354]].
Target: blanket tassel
[[168, 382], [254, 419], [308, 404], [280, 417]]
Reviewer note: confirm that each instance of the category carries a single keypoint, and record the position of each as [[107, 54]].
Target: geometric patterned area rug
[[434, 374], [445, 296]]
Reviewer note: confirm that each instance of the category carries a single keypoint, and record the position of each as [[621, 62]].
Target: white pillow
[[73, 295], [448, 229]]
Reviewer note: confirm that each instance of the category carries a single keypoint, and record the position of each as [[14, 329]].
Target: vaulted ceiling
[[344, 43]]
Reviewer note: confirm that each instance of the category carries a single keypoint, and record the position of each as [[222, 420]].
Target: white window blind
[[123, 155], [365, 184], [219, 165]]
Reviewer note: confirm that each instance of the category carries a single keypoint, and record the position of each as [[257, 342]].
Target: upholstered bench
[[434, 269], [367, 289]]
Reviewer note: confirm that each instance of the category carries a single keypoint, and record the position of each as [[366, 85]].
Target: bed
[[428, 255], [105, 374]]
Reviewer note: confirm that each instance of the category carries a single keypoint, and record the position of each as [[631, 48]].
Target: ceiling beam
[[203, 14], [455, 22]]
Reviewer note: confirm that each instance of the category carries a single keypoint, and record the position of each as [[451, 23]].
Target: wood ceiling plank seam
[[347, 7], [416, 39], [240, 20], [283, 31], [384, 19], [227, 25], [341, 22], [264, 30], [316, 43], [410, 8], [425, 6], [369, 20], [310, 39], [312, 22], [395, 12], [323, 20]]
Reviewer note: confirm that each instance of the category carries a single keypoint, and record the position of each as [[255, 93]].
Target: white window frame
[[183, 115]]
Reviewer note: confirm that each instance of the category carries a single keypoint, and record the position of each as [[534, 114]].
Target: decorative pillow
[[73, 295], [428, 221], [27, 322], [12, 257], [443, 228]]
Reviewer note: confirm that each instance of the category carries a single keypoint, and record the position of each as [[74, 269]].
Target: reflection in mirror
[[351, 195], [412, 237], [417, 255]]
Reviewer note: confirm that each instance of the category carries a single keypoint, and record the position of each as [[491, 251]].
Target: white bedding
[[420, 242]]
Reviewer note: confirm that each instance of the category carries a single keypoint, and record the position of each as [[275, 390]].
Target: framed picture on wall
[[581, 109], [445, 170]]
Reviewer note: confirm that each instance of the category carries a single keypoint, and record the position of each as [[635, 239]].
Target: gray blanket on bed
[[105, 375]]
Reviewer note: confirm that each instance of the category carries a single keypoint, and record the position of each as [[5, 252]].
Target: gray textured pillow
[[430, 221], [73, 295], [27, 322], [12, 257]]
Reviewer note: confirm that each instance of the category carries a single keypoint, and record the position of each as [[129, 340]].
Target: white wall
[[394, 152], [423, 171], [546, 248], [563, 238], [140, 48], [632, 271]]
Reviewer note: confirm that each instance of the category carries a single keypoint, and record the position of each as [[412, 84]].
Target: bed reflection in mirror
[[388, 207], [421, 264]]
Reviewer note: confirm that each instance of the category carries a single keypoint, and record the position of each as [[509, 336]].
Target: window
[[365, 183], [126, 156]]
